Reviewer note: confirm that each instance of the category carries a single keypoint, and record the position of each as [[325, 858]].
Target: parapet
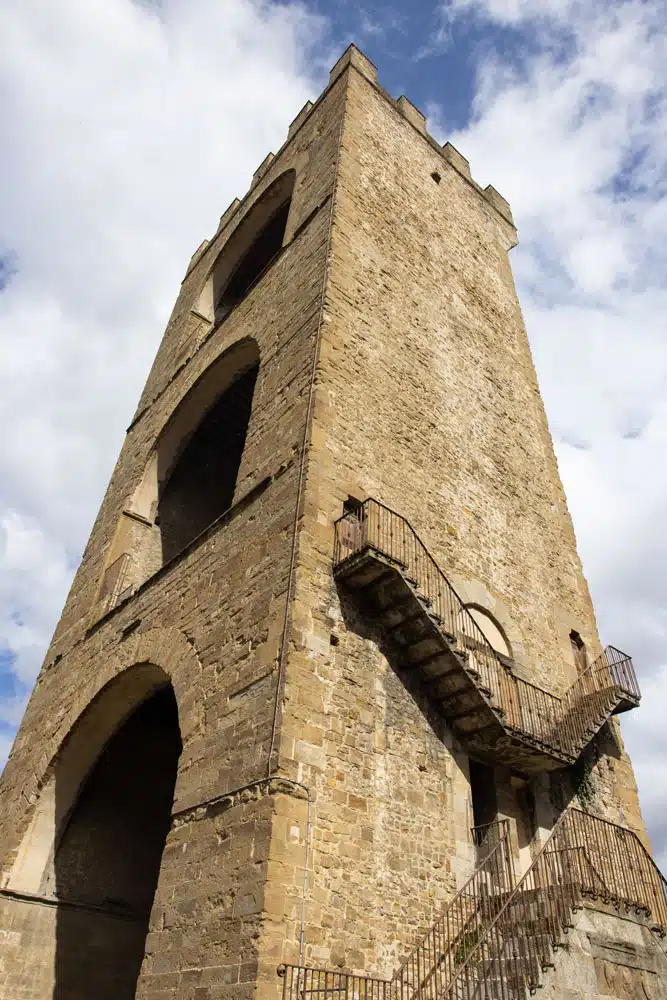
[[261, 169], [300, 118], [355, 59], [412, 113], [227, 214]]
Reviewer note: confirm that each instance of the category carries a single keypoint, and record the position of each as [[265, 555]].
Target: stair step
[[405, 621], [441, 691], [468, 713], [401, 602], [434, 668]]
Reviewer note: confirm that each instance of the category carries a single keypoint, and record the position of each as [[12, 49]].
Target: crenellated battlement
[[353, 58], [357, 60]]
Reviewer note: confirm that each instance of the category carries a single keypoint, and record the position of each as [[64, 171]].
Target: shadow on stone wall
[[363, 625]]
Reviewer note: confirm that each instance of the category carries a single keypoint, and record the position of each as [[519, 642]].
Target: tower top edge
[[353, 59]]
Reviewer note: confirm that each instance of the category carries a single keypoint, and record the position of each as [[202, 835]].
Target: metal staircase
[[497, 938], [496, 715]]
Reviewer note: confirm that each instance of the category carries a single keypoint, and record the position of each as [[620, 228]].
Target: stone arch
[[491, 629], [152, 660], [191, 475], [250, 249], [487, 607], [93, 852]]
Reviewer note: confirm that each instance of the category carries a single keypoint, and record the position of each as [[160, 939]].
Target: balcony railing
[[564, 724]]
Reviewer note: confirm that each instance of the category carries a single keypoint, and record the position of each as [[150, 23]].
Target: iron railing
[[372, 525], [435, 958], [562, 724], [585, 856], [497, 936]]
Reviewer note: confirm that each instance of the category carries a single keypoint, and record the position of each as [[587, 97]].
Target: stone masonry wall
[[427, 400], [608, 954]]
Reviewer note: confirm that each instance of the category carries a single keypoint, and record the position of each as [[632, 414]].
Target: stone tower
[[328, 674]]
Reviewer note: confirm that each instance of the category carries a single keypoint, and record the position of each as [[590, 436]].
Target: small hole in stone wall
[[334, 639], [436, 176]]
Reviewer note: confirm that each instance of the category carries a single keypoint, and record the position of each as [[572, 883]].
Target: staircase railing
[[564, 725], [432, 963], [584, 856], [496, 937]]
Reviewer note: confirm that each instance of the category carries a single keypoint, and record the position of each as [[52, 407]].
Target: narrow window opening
[[579, 652], [484, 807], [351, 504], [483, 792]]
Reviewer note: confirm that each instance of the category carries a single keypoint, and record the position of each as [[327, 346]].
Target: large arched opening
[[249, 251], [106, 863], [199, 485], [91, 856], [192, 476]]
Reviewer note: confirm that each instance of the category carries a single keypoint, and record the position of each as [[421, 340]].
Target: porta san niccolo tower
[[326, 715]]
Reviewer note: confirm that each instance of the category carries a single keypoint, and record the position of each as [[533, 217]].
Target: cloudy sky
[[127, 126]]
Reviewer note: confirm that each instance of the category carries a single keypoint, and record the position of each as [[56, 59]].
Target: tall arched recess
[[106, 864], [93, 850], [254, 244], [199, 453]]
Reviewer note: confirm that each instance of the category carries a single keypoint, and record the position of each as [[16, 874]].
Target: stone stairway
[[419, 639], [433, 640]]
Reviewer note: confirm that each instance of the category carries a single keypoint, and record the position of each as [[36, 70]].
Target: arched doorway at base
[[107, 861]]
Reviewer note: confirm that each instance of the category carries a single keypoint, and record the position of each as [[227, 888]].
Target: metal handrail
[[500, 929], [563, 725], [433, 959], [534, 916], [374, 525]]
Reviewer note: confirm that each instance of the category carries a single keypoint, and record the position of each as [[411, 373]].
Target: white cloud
[[127, 128], [572, 129]]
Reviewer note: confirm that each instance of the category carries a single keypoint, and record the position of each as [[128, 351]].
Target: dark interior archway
[[267, 245], [201, 484], [254, 244], [107, 861]]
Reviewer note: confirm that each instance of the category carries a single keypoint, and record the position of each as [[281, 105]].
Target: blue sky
[[116, 121]]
